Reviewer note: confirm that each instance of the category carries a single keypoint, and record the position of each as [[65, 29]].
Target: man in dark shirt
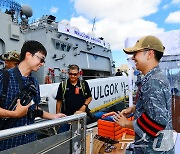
[[119, 73], [73, 100]]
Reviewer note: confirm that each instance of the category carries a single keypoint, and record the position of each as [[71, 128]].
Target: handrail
[[7, 133]]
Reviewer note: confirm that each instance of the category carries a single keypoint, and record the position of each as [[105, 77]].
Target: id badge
[[77, 90]]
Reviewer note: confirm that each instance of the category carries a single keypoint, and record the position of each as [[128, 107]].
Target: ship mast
[[94, 21], [13, 6]]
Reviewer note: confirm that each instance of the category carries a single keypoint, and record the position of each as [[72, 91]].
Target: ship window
[[63, 46], [68, 47], [57, 45]]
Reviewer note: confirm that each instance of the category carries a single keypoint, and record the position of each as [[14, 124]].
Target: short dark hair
[[32, 47], [158, 55], [73, 67]]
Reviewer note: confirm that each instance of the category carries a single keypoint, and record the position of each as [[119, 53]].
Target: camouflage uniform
[[153, 112], [10, 56]]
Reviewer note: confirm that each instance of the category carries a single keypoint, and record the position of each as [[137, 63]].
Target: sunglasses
[[75, 74], [42, 60]]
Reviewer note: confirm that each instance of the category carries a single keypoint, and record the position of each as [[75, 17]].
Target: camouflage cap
[[10, 56], [148, 42]]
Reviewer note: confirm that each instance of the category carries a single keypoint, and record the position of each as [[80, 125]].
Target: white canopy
[[171, 41]]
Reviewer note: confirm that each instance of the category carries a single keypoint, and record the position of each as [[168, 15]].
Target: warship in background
[[65, 44]]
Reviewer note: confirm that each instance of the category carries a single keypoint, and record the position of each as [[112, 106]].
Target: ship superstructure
[[65, 44]]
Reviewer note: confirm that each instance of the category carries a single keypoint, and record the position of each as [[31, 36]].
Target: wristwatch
[[86, 105]]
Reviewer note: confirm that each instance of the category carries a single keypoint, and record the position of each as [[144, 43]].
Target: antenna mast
[[94, 21]]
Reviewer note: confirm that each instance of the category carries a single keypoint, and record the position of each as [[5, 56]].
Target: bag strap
[[18, 77], [5, 86], [64, 85], [82, 84]]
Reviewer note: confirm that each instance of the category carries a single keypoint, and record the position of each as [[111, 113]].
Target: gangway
[[70, 142]]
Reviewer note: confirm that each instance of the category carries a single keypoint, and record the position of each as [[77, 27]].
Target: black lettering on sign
[[122, 86], [106, 90], [101, 92], [95, 92], [115, 88], [111, 89]]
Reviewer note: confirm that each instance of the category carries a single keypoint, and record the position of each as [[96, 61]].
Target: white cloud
[[120, 10], [172, 4], [176, 1], [116, 19], [114, 32], [173, 17], [54, 10], [166, 6], [81, 23]]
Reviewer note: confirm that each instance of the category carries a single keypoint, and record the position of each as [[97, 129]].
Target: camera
[[25, 96]]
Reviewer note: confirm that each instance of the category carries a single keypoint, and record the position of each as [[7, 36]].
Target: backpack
[[5, 86], [82, 85]]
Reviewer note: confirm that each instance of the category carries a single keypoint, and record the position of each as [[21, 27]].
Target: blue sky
[[115, 19]]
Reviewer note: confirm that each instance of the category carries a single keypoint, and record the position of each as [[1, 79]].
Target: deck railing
[[71, 141]]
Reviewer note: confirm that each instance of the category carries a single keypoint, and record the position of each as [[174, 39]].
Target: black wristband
[[86, 105]]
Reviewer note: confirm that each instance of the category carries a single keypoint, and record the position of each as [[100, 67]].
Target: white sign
[[103, 90], [81, 35], [106, 90]]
